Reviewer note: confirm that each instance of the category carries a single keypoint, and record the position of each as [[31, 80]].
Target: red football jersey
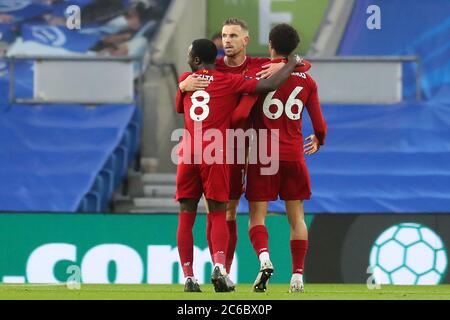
[[250, 67], [282, 109], [249, 63], [252, 63], [212, 108]]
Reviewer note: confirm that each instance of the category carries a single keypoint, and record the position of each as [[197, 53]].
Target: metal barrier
[[350, 62], [69, 62], [376, 59]]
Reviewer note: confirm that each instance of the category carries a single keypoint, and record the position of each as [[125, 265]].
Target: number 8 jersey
[[212, 107]]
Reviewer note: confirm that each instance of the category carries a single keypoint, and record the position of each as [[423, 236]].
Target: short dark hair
[[236, 22], [284, 39], [217, 35], [205, 50]]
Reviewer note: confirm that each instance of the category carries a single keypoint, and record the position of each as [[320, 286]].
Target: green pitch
[[243, 292]]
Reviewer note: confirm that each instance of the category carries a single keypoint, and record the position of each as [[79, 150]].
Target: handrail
[[174, 72], [75, 58], [364, 58]]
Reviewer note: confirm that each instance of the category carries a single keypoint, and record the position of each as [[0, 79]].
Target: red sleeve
[[179, 102], [315, 112], [242, 111], [259, 62], [180, 95], [305, 68], [240, 84]]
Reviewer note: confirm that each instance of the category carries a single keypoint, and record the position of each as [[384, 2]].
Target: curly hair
[[284, 39]]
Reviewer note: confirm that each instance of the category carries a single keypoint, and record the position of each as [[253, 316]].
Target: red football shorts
[[195, 179], [291, 182], [237, 180]]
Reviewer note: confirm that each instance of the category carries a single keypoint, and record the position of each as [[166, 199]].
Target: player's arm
[[269, 69], [242, 111], [262, 86], [313, 142], [179, 97], [274, 82], [179, 102], [193, 83]]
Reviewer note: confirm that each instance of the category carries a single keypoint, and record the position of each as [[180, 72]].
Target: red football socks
[[219, 236], [185, 242], [298, 251], [231, 244], [208, 235], [259, 238]]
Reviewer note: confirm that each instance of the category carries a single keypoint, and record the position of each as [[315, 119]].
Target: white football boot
[[297, 283], [262, 279]]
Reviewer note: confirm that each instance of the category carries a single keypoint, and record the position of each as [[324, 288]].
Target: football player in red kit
[[202, 168], [280, 112], [235, 38]]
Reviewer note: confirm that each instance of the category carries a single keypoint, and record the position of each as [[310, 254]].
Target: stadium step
[[155, 210], [159, 191], [161, 204], [159, 178], [149, 192], [155, 202]]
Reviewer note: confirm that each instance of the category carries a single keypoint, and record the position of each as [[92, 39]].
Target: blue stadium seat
[[63, 158]]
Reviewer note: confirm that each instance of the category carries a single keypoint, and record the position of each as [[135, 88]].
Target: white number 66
[[292, 101]]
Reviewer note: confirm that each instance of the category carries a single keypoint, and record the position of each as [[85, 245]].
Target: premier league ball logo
[[408, 254]]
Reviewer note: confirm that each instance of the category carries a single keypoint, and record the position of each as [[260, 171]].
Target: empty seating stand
[[65, 158]]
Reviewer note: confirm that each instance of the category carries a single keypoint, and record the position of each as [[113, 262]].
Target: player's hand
[[193, 83], [311, 145], [300, 62], [270, 69]]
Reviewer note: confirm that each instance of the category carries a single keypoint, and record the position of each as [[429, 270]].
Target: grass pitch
[[243, 292]]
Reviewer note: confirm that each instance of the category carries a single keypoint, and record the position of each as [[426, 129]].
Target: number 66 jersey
[[282, 110]]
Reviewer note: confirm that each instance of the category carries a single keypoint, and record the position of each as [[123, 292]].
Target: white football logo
[[409, 254]]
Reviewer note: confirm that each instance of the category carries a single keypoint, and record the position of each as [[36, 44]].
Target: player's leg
[[298, 243], [294, 189], [232, 231], [219, 241], [260, 190], [259, 238], [219, 231], [208, 229], [188, 193], [237, 178], [231, 243], [215, 181], [185, 242]]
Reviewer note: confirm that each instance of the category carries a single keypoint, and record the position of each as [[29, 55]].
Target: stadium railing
[[380, 79]]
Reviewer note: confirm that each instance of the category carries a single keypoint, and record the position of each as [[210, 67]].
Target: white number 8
[[292, 101], [199, 104]]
